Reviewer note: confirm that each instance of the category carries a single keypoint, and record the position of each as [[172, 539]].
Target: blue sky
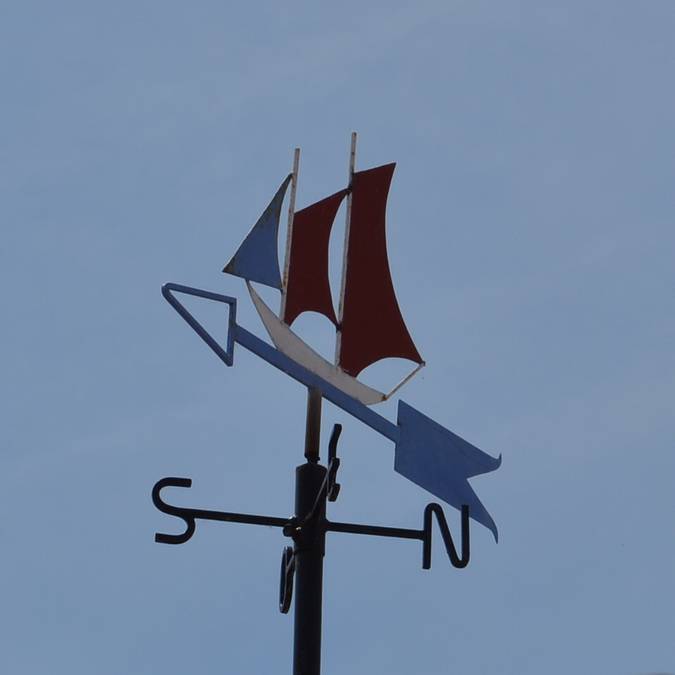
[[531, 243]]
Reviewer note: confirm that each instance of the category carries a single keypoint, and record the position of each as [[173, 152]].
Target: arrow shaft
[[426, 453]]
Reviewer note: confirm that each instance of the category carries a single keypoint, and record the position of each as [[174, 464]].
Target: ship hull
[[287, 342]]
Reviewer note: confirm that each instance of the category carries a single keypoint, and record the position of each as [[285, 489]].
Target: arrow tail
[[441, 462]]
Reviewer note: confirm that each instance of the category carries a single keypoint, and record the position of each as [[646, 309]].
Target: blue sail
[[256, 259]]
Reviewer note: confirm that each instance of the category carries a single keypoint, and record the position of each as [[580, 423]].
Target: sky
[[530, 237]]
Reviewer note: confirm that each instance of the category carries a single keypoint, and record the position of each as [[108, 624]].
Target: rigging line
[[289, 231], [343, 284], [405, 380]]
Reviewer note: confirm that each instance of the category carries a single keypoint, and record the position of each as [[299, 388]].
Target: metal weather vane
[[369, 327]]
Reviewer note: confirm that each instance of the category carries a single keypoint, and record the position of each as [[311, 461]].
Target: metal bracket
[[333, 464], [286, 579]]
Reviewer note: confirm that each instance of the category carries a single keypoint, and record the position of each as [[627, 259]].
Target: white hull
[[287, 342]]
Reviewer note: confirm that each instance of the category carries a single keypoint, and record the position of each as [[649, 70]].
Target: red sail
[[308, 288], [372, 325]]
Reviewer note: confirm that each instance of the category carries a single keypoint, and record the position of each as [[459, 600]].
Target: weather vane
[[369, 327]]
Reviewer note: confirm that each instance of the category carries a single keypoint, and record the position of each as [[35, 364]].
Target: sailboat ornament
[[369, 325]]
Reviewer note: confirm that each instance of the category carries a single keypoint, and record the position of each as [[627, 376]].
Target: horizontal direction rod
[[189, 516], [224, 516], [376, 530], [313, 520]]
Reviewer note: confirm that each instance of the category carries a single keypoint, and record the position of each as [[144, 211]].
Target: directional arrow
[[426, 453]]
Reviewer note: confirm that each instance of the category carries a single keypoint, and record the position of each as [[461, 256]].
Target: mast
[[348, 217], [289, 230]]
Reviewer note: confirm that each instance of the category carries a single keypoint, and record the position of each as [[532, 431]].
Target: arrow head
[[225, 355]]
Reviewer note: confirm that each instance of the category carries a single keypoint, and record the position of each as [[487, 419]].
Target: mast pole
[[289, 230], [352, 163]]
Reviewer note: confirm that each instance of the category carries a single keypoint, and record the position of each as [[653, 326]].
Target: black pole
[[309, 547], [313, 425]]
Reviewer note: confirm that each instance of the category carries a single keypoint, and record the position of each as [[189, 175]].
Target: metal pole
[[289, 231], [313, 425], [309, 548], [345, 250]]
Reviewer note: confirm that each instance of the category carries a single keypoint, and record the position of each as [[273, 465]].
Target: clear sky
[[531, 243]]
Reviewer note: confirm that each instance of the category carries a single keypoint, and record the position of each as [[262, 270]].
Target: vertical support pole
[[308, 554], [309, 547], [313, 425]]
